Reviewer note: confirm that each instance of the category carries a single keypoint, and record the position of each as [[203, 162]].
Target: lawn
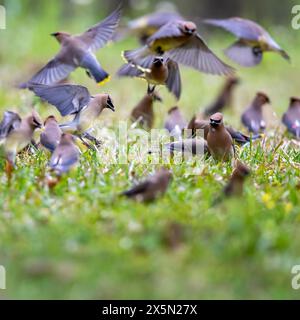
[[81, 240]]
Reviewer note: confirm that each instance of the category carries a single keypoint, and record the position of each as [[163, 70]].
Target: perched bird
[[151, 188], [235, 184], [65, 155], [219, 141], [179, 41], [237, 136], [224, 98], [291, 118], [51, 135], [10, 121], [77, 51], [143, 113], [161, 72], [252, 117], [253, 41], [75, 100], [175, 122], [18, 137], [144, 27], [189, 146]]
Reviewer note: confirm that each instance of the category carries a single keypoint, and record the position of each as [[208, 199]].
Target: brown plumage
[[235, 184], [219, 141], [160, 72], [77, 51], [51, 135], [179, 41], [291, 118], [151, 188], [252, 117], [253, 41], [175, 122], [143, 112], [224, 97]]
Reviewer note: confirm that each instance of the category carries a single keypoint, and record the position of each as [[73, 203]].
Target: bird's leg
[[92, 139], [9, 167]]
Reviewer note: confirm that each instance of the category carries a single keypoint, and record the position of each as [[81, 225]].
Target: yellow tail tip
[[101, 83]]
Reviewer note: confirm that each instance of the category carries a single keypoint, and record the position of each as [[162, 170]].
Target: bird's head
[[50, 119], [35, 120], [216, 120], [67, 138], [108, 103], [158, 61], [188, 28], [241, 170], [294, 101], [262, 98], [60, 36]]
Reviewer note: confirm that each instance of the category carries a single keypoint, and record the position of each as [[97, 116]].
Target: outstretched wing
[[68, 99], [97, 36], [168, 30], [174, 80], [196, 54]]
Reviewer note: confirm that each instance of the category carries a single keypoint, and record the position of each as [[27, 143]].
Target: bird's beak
[[110, 105], [53, 34]]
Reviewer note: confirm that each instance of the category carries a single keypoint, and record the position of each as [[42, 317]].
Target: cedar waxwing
[[161, 72], [10, 121], [77, 51], [219, 141], [175, 122], [252, 41], [237, 136], [179, 41], [252, 118], [51, 135], [65, 156], [189, 146], [291, 118], [224, 98], [151, 188], [144, 27], [74, 99], [236, 182], [19, 137], [143, 113]]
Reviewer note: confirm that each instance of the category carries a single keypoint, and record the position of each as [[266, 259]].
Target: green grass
[[83, 241]]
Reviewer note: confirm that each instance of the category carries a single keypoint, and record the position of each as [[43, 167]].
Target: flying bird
[[144, 27], [161, 72], [219, 141], [252, 117], [65, 156], [75, 100], [253, 41], [179, 41], [291, 118], [143, 113], [151, 188], [224, 97], [51, 135], [78, 51], [17, 134], [175, 122]]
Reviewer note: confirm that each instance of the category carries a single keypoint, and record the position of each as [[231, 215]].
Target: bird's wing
[[54, 71], [241, 28], [10, 121], [243, 54], [196, 54], [68, 99], [174, 80], [97, 36], [142, 187], [168, 30], [62, 160], [129, 70]]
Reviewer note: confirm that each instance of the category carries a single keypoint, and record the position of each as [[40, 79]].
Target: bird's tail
[[138, 56], [285, 55], [94, 69]]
